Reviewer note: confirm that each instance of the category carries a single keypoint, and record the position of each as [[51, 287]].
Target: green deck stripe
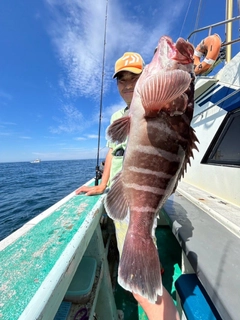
[[25, 263]]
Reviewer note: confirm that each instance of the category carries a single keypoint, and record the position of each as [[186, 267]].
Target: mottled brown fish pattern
[[160, 144]]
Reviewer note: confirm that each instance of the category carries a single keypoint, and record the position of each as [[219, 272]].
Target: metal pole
[[229, 13]]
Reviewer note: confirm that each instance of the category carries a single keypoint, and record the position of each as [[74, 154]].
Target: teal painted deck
[[39, 263], [26, 263]]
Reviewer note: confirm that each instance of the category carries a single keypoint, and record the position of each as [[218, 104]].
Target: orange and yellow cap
[[130, 61]]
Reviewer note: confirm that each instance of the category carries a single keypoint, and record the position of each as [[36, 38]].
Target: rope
[[98, 172]]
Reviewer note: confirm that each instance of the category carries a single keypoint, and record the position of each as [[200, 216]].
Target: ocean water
[[27, 189]]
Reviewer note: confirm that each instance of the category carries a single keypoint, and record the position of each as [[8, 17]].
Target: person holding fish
[[154, 134], [127, 71]]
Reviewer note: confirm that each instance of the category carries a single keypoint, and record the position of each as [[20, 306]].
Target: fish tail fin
[[137, 273]]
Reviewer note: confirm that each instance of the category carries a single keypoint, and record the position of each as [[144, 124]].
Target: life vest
[[210, 48]]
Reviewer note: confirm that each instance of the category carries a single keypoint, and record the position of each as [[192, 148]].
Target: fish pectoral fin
[[159, 90], [119, 130], [115, 202]]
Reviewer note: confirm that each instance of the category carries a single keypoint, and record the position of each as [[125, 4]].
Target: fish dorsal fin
[[189, 151], [115, 202], [159, 89], [119, 130]]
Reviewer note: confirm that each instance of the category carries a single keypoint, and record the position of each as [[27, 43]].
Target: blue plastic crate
[[83, 280]]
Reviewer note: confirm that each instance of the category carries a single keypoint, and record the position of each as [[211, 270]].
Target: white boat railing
[[210, 27]]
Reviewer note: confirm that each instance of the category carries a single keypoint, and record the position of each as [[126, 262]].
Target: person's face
[[126, 82]]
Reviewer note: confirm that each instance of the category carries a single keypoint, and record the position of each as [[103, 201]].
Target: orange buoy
[[210, 49]]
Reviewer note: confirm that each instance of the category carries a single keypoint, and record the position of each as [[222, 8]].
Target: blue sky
[[51, 67]]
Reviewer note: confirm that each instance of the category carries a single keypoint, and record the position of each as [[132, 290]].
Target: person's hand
[[90, 191]]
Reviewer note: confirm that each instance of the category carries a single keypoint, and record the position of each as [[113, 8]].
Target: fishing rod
[[98, 171]]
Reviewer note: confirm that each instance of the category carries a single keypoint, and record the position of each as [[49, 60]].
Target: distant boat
[[36, 161]]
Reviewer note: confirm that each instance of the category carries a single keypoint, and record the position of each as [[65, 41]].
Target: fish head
[[167, 77], [170, 55]]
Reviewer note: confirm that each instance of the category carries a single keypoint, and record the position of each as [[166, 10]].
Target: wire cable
[[186, 17], [197, 19]]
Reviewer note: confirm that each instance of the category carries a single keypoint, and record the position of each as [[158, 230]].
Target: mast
[[229, 12]]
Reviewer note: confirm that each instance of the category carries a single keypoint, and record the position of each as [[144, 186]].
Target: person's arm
[[105, 177]]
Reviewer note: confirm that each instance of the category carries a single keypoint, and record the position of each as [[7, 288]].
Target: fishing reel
[[98, 175]]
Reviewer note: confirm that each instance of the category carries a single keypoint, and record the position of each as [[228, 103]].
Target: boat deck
[[210, 249], [224, 212], [38, 261]]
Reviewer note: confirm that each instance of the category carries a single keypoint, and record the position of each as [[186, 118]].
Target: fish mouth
[[172, 51], [181, 51]]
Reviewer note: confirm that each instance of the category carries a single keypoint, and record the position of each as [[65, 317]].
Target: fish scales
[[160, 143]]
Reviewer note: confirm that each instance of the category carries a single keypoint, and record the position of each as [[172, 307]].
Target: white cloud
[[86, 137], [72, 121], [5, 134], [77, 31], [92, 136], [7, 123], [5, 95], [80, 138]]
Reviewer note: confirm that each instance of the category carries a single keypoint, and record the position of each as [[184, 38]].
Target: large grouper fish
[[159, 146]]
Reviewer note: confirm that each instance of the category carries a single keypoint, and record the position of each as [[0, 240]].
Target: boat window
[[225, 147]]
